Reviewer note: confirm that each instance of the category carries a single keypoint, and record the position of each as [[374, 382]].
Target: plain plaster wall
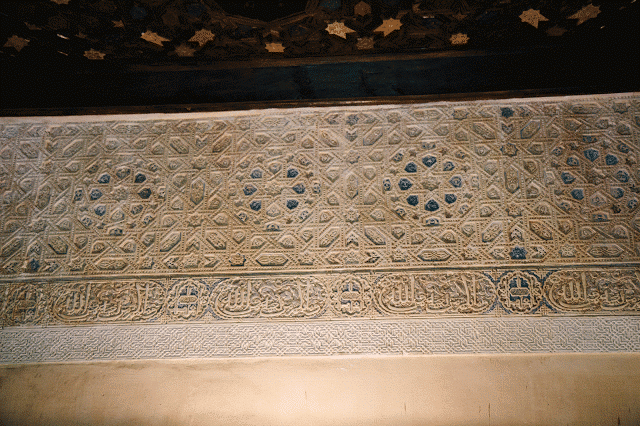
[[427, 390]]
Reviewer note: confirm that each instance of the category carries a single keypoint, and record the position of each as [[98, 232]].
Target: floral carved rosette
[[22, 304], [520, 292], [187, 299], [351, 296]]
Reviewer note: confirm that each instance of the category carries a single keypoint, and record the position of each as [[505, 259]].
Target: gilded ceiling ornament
[[16, 42], [362, 9], [556, 31], [586, 13], [154, 38], [275, 47], [202, 37], [93, 54], [388, 26], [339, 29], [532, 17], [459, 39], [365, 43], [118, 24], [184, 50]]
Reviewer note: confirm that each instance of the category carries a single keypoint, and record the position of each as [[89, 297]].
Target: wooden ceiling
[[72, 56]]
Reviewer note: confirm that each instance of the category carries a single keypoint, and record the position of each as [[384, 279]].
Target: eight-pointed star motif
[[16, 42], [459, 39], [388, 26], [275, 47], [339, 29], [532, 17], [93, 54], [154, 38], [586, 13], [202, 37]]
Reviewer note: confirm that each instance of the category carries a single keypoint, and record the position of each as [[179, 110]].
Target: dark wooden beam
[[112, 88]]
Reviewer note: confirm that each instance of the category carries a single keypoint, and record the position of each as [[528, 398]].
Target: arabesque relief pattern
[[475, 208], [386, 295]]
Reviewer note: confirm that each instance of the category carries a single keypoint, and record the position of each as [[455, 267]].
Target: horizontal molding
[[321, 338], [541, 292]]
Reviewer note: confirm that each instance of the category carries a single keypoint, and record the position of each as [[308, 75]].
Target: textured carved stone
[[173, 184], [269, 298], [107, 301], [384, 295], [489, 209]]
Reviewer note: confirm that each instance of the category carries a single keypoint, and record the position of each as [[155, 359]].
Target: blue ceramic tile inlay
[[578, 194], [518, 253], [95, 194], [567, 177], [432, 205], [412, 200], [591, 154], [404, 184], [145, 193], [506, 112], [622, 176], [429, 161], [249, 189], [611, 160]]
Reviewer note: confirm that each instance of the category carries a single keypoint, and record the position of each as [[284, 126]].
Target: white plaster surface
[[569, 389]]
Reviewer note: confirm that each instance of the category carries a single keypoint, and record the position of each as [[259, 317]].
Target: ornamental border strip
[[550, 292], [20, 345]]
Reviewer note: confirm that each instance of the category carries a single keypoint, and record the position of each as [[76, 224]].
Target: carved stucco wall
[[473, 227]]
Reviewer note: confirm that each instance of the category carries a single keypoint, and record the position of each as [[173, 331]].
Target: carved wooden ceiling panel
[[179, 31]]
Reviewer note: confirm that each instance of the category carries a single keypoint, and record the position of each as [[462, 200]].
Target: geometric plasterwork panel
[[421, 212]]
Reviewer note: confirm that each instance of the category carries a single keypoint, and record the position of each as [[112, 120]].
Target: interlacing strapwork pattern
[[326, 338], [513, 207]]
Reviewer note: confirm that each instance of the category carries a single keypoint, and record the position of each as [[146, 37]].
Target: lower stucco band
[[354, 337]]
